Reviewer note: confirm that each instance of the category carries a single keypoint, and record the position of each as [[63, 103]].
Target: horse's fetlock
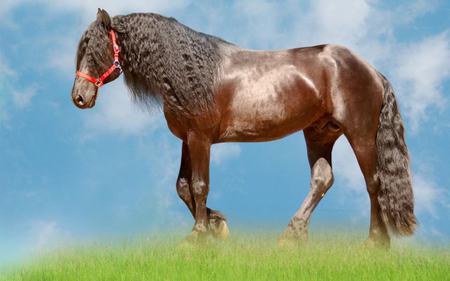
[[200, 228], [373, 186]]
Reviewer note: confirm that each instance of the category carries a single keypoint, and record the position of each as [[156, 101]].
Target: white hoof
[[222, 231]]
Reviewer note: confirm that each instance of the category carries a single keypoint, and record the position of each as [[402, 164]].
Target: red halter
[[116, 65]]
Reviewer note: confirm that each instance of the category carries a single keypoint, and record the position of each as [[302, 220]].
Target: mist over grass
[[242, 257]]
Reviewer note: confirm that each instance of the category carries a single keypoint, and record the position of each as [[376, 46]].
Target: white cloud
[[409, 12], [6, 74], [422, 68], [346, 168], [224, 151], [65, 47], [116, 113], [348, 176], [5, 7], [167, 174], [4, 115], [427, 195], [88, 9], [339, 21], [163, 157], [6, 71], [22, 99], [45, 235], [8, 77], [250, 17]]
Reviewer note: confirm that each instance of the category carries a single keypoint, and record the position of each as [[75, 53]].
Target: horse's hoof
[[291, 243], [286, 243], [195, 238], [191, 239], [221, 230], [291, 240], [371, 243], [186, 244]]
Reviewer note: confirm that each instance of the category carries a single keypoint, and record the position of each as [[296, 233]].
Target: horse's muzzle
[[82, 103]]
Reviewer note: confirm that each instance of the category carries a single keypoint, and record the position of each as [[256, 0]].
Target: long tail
[[396, 194]]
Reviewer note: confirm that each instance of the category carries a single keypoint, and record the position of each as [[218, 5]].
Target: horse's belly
[[264, 112]]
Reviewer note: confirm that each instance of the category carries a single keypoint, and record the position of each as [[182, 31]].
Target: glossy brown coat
[[254, 96]]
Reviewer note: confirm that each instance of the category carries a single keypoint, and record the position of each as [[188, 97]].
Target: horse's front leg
[[184, 180], [217, 221], [199, 151]]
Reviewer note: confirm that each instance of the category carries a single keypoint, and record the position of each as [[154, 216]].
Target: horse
[[212, 91]]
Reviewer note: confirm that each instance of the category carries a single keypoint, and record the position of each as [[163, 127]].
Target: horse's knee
[[183, 188], [322, 175], [200, 227], [199, 188]]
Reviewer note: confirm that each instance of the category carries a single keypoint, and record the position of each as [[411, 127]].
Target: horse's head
[[97, 61]]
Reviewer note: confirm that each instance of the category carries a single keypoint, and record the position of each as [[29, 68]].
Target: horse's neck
[[141, 62], [167, 59]]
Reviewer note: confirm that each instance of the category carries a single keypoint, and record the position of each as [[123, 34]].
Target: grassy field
[[241, 258]]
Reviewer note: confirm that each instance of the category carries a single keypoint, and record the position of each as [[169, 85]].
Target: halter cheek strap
[[98, 82]]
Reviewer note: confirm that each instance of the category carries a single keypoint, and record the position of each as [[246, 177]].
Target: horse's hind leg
[[319, 148], [366, 153], [217, 221]]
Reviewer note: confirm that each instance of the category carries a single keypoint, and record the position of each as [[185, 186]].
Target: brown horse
[[213, 91]]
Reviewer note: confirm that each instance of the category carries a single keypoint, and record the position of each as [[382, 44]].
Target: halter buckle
[[117, 65], [98, 83]]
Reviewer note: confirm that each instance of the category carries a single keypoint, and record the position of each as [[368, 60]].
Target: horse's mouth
[[91, 103], [82, 104]]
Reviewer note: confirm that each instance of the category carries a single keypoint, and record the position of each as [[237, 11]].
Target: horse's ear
[[103, 18]]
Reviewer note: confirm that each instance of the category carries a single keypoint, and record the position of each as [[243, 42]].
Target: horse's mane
[[164, 59]]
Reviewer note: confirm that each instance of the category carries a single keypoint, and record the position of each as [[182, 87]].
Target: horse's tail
[[395, 195]]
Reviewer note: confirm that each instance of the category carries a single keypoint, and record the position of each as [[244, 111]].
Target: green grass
[[241, 258]]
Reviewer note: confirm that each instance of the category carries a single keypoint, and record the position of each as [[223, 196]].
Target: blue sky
[[68, 175]]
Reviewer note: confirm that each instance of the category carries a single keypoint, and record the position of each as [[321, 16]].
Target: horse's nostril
[[79, 100]]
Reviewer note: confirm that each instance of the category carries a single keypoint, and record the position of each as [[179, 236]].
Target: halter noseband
[[98, 82]]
